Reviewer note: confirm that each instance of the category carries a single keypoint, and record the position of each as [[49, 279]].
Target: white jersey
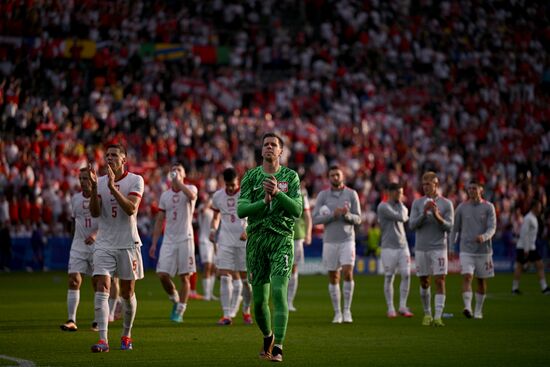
[[84, 224], [528, 233], [205, 220], [117, 230], [231, 226], [178, 211]]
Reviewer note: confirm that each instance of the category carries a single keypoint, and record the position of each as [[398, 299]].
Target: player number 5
[[113, 211]]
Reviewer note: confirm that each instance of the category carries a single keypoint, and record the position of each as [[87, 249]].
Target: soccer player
[[392, 216], [84, 228], [231, 259], [339, 210], [302, 236], [115, 200], [207, 248], [526, 249], [431, 219], [177, 251], [475, 224], [270, 198]]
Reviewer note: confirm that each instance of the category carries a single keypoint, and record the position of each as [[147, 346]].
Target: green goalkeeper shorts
[[268, 254]]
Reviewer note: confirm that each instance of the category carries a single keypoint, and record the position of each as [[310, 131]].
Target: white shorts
[[432, 262], [126, 264], [298, 252], [207, 251], [481, 266], [177, 258], [81, 262], [337, 254], [398, 260], [231, 258]]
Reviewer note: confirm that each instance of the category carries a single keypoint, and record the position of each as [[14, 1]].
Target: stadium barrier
[[55, 256]]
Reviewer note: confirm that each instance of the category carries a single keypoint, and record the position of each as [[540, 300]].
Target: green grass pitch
[[514, 332]]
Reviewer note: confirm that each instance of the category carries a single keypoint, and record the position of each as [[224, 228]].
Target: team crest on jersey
[[283, 186], [86, 204], [231, 202], [176, 199]]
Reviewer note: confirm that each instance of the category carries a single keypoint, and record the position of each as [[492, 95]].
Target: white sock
[[292, 288], [439, 305], [334, 292], [112, 306], [388, 292], [543, 284], [174, 297], [515, 285], [348, 294], [129, 308], [426, 298], [247, 296], [205, 288], [467, 298], [101, 308], [404, 289], [73, 299], [180, 308], [226, 289], [480, 298], [211, 282], [236, 296]]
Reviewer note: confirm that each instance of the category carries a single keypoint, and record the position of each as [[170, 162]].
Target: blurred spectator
[[387, 89], [5, 246], [38, 244]]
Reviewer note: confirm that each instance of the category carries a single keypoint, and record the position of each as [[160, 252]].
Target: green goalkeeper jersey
[[278, 216]]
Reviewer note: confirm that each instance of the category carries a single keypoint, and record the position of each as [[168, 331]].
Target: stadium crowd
[[387, 89]]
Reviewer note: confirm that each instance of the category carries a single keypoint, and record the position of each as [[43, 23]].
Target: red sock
[[193, 281]]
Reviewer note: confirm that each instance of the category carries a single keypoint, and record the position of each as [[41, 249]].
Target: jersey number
[[174, 215], [441, 261], [87, 222], [114, 211]]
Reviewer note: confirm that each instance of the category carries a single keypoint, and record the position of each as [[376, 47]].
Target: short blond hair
[[430, 176]]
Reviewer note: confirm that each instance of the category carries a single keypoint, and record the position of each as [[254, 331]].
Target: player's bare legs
[[179, 299], [185, 287], [168, 284]]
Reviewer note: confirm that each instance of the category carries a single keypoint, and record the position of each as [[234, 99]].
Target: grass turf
[[515, 329]]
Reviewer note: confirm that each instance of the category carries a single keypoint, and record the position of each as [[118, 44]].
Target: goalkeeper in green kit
[[271, 199]]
